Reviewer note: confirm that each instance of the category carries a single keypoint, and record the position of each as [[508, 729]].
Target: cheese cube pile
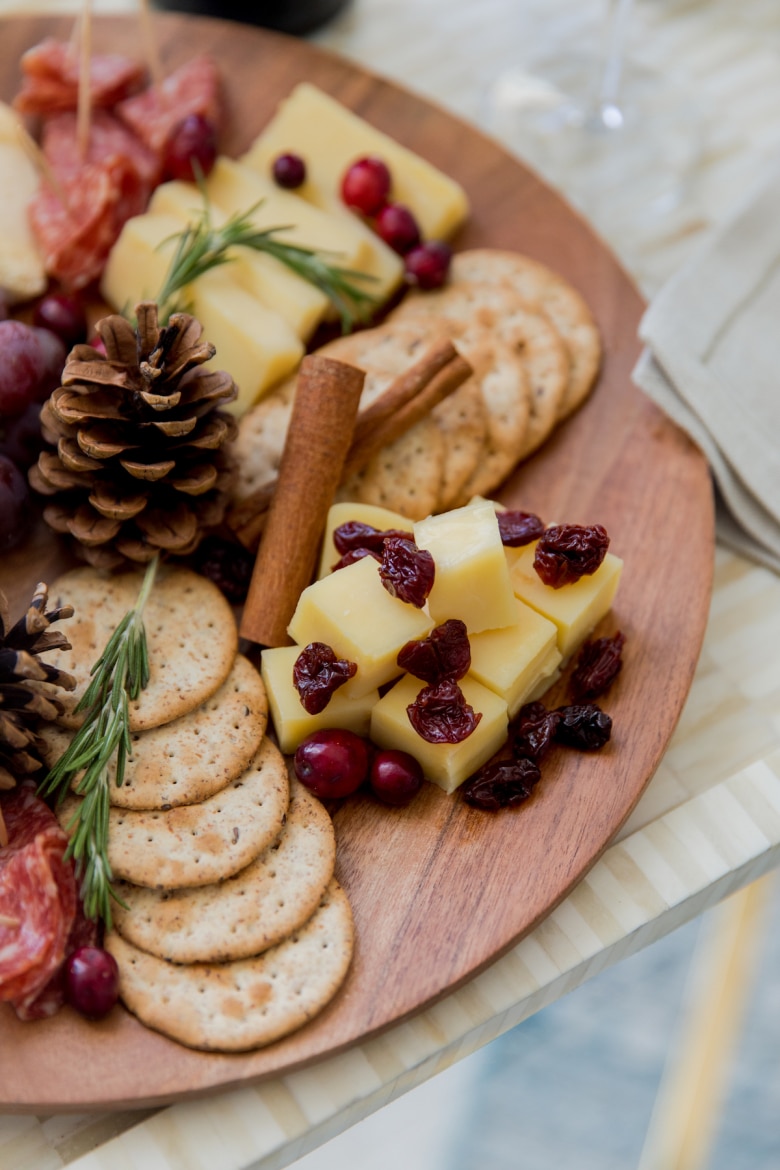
[[520, 631]]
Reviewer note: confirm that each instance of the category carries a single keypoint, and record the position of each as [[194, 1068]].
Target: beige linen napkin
[[712, 362]]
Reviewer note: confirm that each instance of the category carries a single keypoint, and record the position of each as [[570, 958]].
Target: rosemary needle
[[120, 673]]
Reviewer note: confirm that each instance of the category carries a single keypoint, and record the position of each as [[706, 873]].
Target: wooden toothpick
[[84, 111], [41, 163], [150, 47]]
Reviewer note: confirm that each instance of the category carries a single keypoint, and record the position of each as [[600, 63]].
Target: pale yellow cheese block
[[373, 514], [353, 613], [138, 262], [292, 723], [446, 764], [575, 609], [516, 661], [329, 137], [472, 577], [22, 275], [277, 287]]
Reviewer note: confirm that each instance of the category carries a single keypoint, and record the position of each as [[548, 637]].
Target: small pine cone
[[141, 462], [28, 687]]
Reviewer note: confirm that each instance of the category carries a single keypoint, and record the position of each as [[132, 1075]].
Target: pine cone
[[28, 687], [141, 463]]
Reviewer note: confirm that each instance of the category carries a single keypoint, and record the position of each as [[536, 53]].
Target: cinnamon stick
[[318, 438]]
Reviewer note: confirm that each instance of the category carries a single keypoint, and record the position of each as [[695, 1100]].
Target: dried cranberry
[[440, 714], [317, 673], [355, 534], [518, 528], [597, 668], [228, 565], [354, 554], [445, 653], [567, 552], [583, 726], [533, 730], [406, 571], [503, 784]]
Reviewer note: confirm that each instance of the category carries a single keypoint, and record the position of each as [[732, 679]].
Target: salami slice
[[191, 89], [109, 140], [50, 84], [37, 897], [83, 933]]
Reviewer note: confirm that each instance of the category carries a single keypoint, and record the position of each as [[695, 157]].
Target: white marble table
[[709, 821]]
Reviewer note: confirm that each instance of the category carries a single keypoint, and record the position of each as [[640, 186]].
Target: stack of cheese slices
[[233, 931]]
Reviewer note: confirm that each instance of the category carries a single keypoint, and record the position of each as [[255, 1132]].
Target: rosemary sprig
[[201, 247], [120, 673]]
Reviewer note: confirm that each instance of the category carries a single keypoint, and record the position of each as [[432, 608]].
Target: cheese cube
[[381, 518], [352, 612], [516, 661], [277, 287], [330, 137], [574, 608], [446, 764], [138, 262], [472, 577], [291, 720]]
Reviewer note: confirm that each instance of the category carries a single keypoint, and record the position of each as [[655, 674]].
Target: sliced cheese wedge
[[22, 273]]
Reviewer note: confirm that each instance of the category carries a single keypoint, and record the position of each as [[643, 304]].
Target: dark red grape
[[332, 762], [92, 981], [31, 362], [191, 147], [398, 228], [289, 171], [395, 777], [23, 439], [14, 505], [62, 315], [366, 185], [428, 264]]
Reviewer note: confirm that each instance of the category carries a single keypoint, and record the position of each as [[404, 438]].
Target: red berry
[[31, 362], [62, 315], [398, 228], [395, 777], [191, 147], [332, 762], [23, 440], [289, 170], [428, 264], [92, 981], [366, 185], [14, 505]]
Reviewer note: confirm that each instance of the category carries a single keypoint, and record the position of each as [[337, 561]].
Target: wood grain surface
[[438, 890]]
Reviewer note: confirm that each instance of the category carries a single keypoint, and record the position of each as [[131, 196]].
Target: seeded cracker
[[190, 629], [199, 843], [232, 1007], [249, 912], [193, 757]]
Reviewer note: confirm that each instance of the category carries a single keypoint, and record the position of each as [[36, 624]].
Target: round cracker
[[566, 308], [191, 635], [405, 476], [197, 844], [232, 1007], [262, 432], [190, 759], [247, 913]]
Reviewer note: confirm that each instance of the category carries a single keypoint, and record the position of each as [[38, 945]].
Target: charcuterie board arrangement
[[340, 490]]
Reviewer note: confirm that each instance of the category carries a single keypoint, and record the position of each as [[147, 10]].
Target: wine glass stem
[[610, 114]]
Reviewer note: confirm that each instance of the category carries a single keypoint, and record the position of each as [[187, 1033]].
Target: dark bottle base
[[289, 16]]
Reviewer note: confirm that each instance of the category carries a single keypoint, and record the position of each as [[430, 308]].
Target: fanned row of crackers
[[234, 930], [535, 351]]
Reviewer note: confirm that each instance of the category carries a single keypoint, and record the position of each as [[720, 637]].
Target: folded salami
[[50, 83]]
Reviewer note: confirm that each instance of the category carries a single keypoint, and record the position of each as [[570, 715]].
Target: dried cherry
[[597, 668], [518, 528], [317, 673], [355, 534], [503, 784], [583, 726], [407, 572], [445, 653], [440, 713], [354, 554], [566, 552], [532, 731]]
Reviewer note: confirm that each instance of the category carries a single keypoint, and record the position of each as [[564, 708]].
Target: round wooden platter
[[438, 890]]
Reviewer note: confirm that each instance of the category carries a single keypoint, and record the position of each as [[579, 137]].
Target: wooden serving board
[[438, 890]]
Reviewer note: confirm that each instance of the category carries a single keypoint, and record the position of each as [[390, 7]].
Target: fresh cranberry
[[92, 981], [398, 228], [62, 315], [191, 148], [428, 264], [395, 777], [332, 762], [366, 185], [289, 171]]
